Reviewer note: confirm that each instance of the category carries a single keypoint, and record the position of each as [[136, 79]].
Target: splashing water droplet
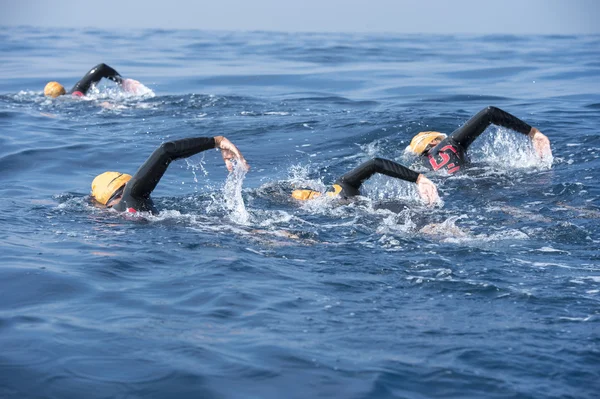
[[232, 194]]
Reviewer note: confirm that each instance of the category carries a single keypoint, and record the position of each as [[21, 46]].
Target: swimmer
[[349, 184], [123, 192], [94, 75], [442, 152]]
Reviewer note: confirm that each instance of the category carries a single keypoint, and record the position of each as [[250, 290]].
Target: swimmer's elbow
[[378, 162], [165, 149]]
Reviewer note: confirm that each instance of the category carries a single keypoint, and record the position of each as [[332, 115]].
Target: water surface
[[234, 290]]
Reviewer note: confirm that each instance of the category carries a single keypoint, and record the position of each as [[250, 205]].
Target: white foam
[[103, 92], [575, 318], [549, 249], [543, 264]]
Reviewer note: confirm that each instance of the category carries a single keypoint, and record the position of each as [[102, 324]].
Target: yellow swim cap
[[106, 184], [420, 142], [54, 89], [337, 189], [306, 194]]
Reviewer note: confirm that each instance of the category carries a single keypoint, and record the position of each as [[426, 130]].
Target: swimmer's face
[[432, 144], [116, 197]]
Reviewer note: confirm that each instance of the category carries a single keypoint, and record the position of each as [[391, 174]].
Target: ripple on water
[[237, 290]]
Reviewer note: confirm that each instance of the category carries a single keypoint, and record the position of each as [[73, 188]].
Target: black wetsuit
[[93, 76], [351, 181], [136, 196], [451, 153]]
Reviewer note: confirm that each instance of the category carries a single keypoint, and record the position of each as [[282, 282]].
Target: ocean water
[[236, 291]]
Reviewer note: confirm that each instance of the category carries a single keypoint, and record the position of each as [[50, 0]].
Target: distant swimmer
[[349, 184], [94, 75], [449, 153], [123, 192]]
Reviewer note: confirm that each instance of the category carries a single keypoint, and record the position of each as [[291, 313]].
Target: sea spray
[[505, 151], [106, 92], [232, 194]]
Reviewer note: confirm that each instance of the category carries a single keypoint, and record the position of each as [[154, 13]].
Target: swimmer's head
[[307, 194], [54, 89], [424, 141], [109, 186]]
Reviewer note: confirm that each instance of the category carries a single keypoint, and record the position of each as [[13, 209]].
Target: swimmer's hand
[[540, 142], [229, 152], [130, 85], [427, 190]]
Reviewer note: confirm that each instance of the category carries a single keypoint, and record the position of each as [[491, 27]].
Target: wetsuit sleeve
[[357, 176], [149, 174], [467, 133], [94, 75]]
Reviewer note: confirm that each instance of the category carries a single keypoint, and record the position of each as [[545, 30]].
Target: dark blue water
[[234, 290]]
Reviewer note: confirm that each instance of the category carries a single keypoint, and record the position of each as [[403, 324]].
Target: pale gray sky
[[403, 16]]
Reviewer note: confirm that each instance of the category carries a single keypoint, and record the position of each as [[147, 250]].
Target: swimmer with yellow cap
[[124, 192], [349, 184], [449, 153], [94, 75]]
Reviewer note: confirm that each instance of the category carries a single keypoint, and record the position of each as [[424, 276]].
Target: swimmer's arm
[[152, 170], [94, 75], [427, 190], [149, 174], [474, 127], [359, 175]]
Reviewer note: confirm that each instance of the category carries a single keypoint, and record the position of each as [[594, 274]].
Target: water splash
[[299, 177], [103, 92], [506, 150], [447, 229], [384, 188], [232, 195], [197, 166], [396, 223]]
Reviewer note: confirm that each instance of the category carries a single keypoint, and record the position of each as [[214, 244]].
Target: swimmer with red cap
[[94, 75]]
